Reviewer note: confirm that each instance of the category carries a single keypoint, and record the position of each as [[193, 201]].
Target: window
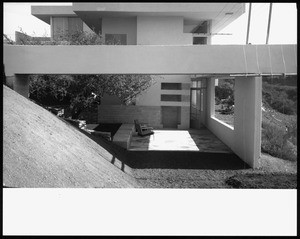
[[224, 101], [171, 86], [203, 28], [199, 40], [199, 84], [116, 39], [176, 98]]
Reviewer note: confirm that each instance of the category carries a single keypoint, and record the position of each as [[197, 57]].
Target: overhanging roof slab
[[45, 12], [116, 59], [221, 14]]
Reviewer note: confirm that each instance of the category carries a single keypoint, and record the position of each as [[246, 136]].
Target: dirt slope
[[40, 150]]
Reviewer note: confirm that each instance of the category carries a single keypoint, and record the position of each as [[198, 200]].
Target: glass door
[[198, 102]]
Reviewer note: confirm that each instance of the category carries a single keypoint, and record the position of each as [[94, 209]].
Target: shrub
[[275, 142], [280, 98], [223, 91], [292, 129], [224, 95], [74, 38], [85, 91]]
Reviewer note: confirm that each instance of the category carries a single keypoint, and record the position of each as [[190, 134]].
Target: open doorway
[[198, 103], [170, 116]]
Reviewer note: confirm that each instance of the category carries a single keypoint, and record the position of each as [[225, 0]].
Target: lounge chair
[[142, 130]]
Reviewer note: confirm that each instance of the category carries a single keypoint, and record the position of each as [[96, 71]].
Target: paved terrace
[[181, 149], [179, 140], [169, 148]]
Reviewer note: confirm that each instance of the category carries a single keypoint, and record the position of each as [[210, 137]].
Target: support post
[[269, 23], [210, 97], [249, 18], [247, 119]]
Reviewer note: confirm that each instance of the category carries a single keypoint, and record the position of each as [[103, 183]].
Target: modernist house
[[172, 40]]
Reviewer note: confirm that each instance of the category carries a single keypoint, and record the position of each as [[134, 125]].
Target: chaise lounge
[[143, 130]]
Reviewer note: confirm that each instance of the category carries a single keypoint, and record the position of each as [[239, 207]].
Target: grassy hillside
[[279, 114], [41, 150]]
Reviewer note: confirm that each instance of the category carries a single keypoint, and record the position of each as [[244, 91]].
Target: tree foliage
[[84, 91], [7, 40], [74, 38], [224, 90]]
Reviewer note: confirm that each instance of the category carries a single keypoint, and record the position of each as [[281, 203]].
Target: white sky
[[283, 24]]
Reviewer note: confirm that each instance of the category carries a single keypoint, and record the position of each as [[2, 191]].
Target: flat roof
[[221, 14], [45, 12]]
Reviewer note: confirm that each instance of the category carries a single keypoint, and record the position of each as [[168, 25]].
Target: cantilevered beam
[[200, 59]]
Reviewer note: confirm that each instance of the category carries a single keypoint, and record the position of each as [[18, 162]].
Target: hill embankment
[[41, 150]]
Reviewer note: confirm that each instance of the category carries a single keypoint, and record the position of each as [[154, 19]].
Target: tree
[[84, 91]]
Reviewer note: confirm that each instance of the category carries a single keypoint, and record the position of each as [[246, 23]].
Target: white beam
[[140, 59]]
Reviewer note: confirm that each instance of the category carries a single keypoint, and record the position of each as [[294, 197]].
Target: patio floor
[[179, 140]]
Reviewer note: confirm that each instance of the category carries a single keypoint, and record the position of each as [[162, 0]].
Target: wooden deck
[[179, 140]]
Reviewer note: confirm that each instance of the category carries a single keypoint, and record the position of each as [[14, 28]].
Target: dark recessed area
[[171, 86], [113, 128], [176, 98]]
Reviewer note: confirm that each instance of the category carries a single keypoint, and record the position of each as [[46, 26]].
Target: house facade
[[168, 103], [172, 41]]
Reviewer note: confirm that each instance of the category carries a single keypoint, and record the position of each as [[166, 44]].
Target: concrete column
[[247, 119], [21, 84], [210, 98]]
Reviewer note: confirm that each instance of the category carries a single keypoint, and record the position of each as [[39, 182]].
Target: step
[[123, 135]]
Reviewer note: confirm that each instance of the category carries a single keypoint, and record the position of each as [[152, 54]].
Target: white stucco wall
[[120, 25], [151, 97], [161, 31], [244, 139], [247, 119]]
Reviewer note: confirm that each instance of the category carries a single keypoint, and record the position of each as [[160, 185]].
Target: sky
[[284, 17], [283, 28]]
